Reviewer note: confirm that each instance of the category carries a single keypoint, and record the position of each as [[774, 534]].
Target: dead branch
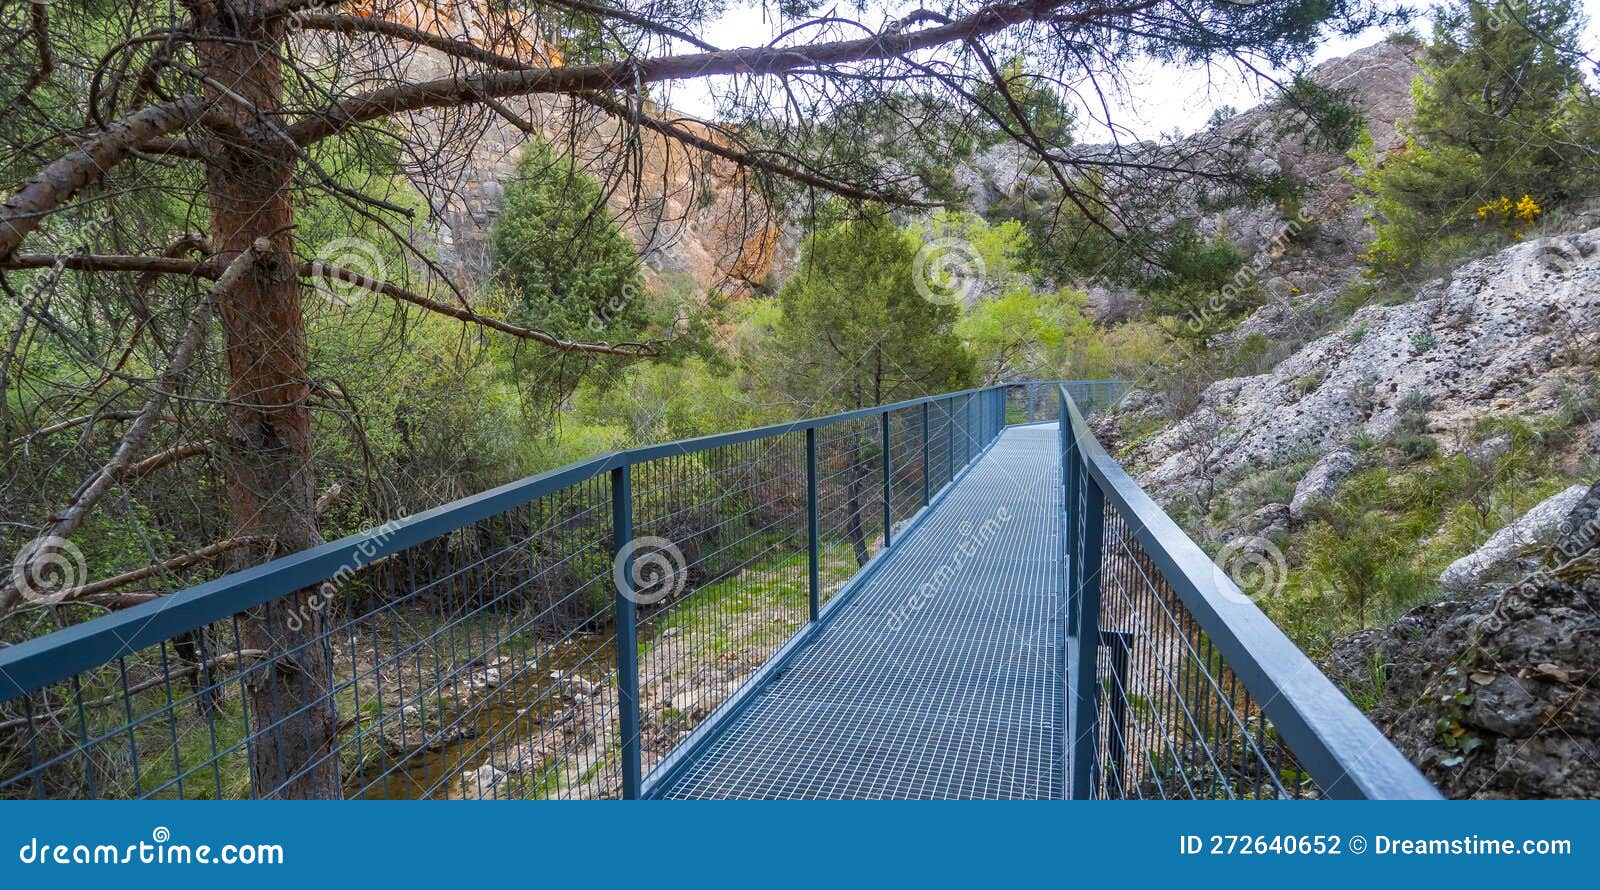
[[676, 131], [162, 265], [329, 498], [163, 458], [314, 270], [39, 28], [117, 698], [90, 592], [670, 129], [70, 423], [455, 91], [67, 520], [150, 265]]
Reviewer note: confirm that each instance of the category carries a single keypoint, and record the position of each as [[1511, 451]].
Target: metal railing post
[[813, 526], [1120, 643], [627, 631], [1068, 493], [969, 431], [927, 469], [1083, 641], [888, 501]]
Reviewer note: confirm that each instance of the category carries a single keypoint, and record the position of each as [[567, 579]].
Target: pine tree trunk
[[268, 456], [853, 528]]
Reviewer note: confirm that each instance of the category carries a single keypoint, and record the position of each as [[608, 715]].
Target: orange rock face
[[696, 219]]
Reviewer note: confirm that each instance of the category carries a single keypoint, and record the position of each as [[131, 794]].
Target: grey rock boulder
[[1488, 695], [1505, 556], [1580, 530], [1270, 520], [1322, 481]]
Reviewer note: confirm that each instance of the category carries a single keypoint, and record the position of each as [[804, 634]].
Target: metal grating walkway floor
[[941, 677]]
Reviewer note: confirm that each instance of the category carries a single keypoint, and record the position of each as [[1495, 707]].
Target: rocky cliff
[[695, 218], [1487, 687], [1504, 335]]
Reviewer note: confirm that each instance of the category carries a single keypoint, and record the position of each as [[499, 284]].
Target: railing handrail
[[1331, 739], [34, 664]]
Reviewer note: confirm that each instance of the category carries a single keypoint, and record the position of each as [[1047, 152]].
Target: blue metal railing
[[572, 634], [555, 637], [1179, 686]]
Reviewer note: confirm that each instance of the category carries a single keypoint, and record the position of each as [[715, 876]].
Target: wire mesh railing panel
[[1175, 722], [965, 430], [733, 520], [1180, 686], [508, 645], [1090, 396], [1032, 402], [906, 463], [476, 664], [941, 443], [849, 499]]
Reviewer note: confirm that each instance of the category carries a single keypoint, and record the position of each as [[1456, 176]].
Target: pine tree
[[855, 331], [567, 269], [1505, 129]]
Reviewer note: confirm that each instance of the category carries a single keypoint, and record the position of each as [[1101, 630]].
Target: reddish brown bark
[[267, 446]]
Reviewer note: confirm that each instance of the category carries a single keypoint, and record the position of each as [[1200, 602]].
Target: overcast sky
[[1161, 97]]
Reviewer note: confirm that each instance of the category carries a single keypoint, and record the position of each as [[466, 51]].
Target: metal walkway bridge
[[961, 596], [941, 677]]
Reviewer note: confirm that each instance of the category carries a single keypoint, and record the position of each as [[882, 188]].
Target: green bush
[[1505, 129], [566, 267], [1203, 290], [1410, 435]]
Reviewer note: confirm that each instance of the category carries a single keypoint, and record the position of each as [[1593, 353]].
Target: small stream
[[515, 711]]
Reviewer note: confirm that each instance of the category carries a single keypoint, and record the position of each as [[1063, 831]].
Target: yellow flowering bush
[[1515, 215]]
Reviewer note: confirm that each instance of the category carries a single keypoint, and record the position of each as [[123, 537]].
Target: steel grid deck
[[940, 677]]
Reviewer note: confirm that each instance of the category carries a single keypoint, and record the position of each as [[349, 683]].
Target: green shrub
[[565, 265], [1204, 288], [1504, 131], [1409, 436]]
